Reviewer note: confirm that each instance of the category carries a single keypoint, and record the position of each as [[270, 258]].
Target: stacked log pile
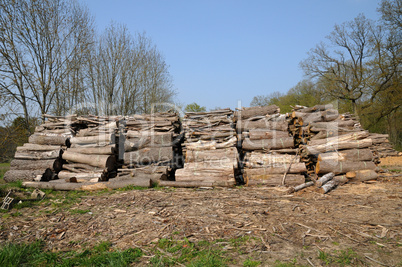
[[92, 152], [211, 157], [267, 149], [41, 156], [151, 146]]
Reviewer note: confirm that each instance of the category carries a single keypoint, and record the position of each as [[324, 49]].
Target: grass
[[3, 168], [340, 258], [35, 255]]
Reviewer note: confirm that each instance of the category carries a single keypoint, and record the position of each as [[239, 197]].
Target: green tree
[[194, 107]]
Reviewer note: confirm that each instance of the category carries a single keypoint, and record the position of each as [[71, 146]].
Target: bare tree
[[343, 68], [127, 75], [39, 39]]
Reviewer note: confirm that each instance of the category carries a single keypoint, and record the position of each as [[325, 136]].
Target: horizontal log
[[267, 144], [347, 155], [196, 183], [273, 179], [205, 171], [48, 139], [336, 146], [23, 164], [80, 175], [323, 167], [319, 126], [102, 161], [362, 175], [22, 175], [331, 185], [156, 140], [247, 125], [36, 147], [339, 138], [257, 159], [148, 155], [316, 108], [107, 138], [206, 145], [302, 186], [256, 134], [35, 155], [154, 177], [212, 155], [249, 112], [295, 168], [101, 150]]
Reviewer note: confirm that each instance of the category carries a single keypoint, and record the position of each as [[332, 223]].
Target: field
[[354, 225]]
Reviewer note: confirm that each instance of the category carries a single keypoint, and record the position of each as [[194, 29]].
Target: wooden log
[[257, 159], [107, 138], [347, 155], [155, 140], [308, 117], [154, 177], [316, 108], [148, 155], [329, 186], [89, 186], [256, 134], [302, 186], [35, 147], [206, 145], [323, 167], [22, 164], [50, 139], [268, 144], [295, 168], [196, 183], [206, 171], [247, 125], [362, 175], [340, 138], [22, 175], [319, 126], [336, 146], [212, 155], [102, 161], [324, 179], [80, 175], [246, 113], [35, 155], [341, 179], [101, 150], [273, 179]]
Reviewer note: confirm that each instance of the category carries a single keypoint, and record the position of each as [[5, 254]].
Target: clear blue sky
[[223, 51]]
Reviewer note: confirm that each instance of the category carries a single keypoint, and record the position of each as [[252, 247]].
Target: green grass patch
[[251, 263], [35, 255], [341, 258], [3, 168]]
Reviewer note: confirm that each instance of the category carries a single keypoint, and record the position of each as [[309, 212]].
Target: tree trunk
[[257, 159], [148, 155], [362, 175], [21, 164], [261, 124], [347, 155], [273, 179], [299, 167], [33, 155], [195, 183], [97, 139], [343, 167], [43, 139], [246, 113], [35, 147], [22, 175], [212, 155], [102, 150], [336, 139], [268, 144], [334, 146], [102, 161], [257, 134]]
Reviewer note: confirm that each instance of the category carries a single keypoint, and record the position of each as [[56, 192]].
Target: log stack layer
[[267, 148], [211, 157], [152, 145]]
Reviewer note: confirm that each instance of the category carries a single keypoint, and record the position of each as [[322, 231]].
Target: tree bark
[[212, 155], [362, 175], [261, 124], [102, 150], [257, 159], [22, 175], [347, 155], [246, 113], [195, 183], [257, 134], [335, 146], [268, 144], [51, 139], [102, 161], [148, 155], [35, 147], [323, 167], [21, 164], [33, 155], [299, 167], [273, 179], [336, 139], [107, 138]]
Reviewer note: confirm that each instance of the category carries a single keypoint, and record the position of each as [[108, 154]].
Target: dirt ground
[[365, 218]]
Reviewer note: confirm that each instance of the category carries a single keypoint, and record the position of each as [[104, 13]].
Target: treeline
[[53, 61], [359, 68]]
